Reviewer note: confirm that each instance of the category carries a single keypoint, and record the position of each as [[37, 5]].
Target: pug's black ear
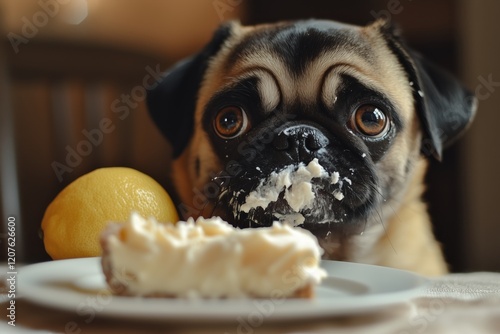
[[172, 102], [444, 106]]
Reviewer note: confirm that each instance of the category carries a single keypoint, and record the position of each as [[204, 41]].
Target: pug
[[318, 124]]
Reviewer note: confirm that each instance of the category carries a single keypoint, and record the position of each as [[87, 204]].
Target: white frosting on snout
[[298, 190]]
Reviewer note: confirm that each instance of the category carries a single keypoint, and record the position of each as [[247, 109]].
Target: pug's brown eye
[[230, 122], [370, 121]]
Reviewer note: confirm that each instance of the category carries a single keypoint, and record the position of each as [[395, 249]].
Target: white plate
[[78, 286]]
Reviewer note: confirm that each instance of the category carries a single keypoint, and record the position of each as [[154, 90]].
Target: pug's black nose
[[300, 139]]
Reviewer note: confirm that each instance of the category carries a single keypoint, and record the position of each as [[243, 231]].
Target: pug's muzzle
[[299, 173]]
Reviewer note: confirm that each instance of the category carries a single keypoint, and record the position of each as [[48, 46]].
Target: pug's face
[[316, 123]]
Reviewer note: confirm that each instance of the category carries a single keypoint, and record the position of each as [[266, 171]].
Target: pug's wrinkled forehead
[[307, 64]]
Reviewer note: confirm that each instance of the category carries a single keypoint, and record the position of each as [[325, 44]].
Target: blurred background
[[67, 64]]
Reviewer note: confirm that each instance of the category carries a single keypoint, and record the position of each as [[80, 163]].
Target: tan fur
[[182, 179], [406, 240], [409, 241]]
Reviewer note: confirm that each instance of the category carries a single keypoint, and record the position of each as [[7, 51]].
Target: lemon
[[74, 220]]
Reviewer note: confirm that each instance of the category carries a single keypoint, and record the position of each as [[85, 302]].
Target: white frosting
[[335, 178], [298, 189], [210, 258]]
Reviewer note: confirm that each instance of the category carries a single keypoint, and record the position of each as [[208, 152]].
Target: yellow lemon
[[75, 219]]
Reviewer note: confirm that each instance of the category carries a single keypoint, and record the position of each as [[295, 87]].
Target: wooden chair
[[54, 98]]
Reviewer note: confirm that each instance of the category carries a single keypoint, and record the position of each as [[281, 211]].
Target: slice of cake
[[209, 258]]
